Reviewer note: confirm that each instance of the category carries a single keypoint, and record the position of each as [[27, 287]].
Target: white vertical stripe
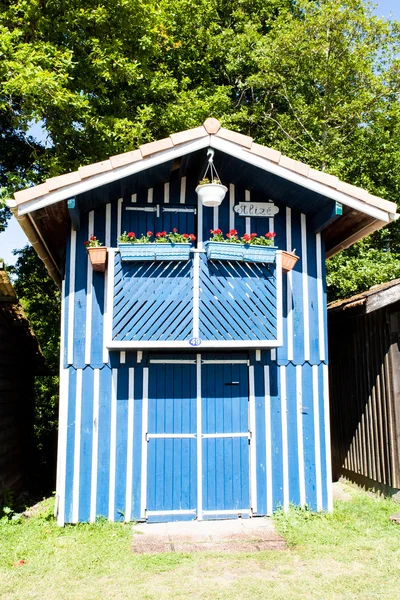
[[166, 192], [150, 195], [108, 225], [129, 446], [95, 445], [231, 205], [253, 449], [183, 190], [258, 355], [200, 225], [271, 224], [145, 418], [62, 445], [327, 432], [306, 320], [279, 309], [273, 354], [106, 279], [63, 422], [134, 198], [108, 301], [268, 440], [119, 217], [285, 448], [71, 298], [196, 294], [289, 288], [215, 217], [122, 357], [300, 443], [139, 356], [113, 446], [247, 219], [320, 295], [317, 437], [199, 440], [89, 296], [77, 447]]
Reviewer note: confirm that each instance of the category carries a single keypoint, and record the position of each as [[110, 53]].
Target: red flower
[[186, 236], [192, 237], [270, 234], [233, 232], [216, 231], [228, 235], [158, 234], [253, 235], [211, 230], [19, 563], [246, 237], [131, 234], [149, 233], [174, 230], [163, 233], [86, 243], [92, 238]]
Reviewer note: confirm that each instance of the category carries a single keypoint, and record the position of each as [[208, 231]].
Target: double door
[[197, 443]]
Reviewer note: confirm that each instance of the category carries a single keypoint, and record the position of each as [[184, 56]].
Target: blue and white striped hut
[[194, 387]]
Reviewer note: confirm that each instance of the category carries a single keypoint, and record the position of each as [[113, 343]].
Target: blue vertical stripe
[[86, 444], [103, 474], [308, 438]]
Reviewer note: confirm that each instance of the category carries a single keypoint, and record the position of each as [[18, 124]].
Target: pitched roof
[[376, 297], [210, 129]]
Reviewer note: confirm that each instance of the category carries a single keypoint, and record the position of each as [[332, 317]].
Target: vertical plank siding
[[364, 377], [282, 460]]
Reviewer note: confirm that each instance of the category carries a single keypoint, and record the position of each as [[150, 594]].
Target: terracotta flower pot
[[289, 259], [98, 258]]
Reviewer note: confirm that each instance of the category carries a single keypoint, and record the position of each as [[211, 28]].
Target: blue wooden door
[[171, 442], [225, 440]]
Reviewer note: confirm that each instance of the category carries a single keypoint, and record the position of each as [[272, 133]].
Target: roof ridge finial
[[212, 125]]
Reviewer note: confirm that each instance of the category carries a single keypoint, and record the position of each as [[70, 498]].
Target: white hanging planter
[[211, 194]]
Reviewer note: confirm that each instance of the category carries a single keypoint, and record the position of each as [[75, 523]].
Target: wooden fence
[[365, 387]]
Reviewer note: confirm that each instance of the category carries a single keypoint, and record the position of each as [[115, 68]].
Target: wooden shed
[[364, 342], [20, 359], [194, 388]]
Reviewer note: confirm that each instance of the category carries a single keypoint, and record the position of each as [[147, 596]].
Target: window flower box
[[240, 252], [154, 251]]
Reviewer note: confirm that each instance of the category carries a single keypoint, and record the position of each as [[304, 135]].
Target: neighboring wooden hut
[[20, 359], [195, 388], [364, 341]]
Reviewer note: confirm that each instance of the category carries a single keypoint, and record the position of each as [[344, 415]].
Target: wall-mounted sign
[[194, 341], [256, 209]]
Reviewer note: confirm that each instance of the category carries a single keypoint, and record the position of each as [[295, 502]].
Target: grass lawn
[[352, 553]]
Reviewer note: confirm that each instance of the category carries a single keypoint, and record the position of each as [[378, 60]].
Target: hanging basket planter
[[289, 260], [154, 251], [210, 191], [240, 252], [98, 258], [211, 194]]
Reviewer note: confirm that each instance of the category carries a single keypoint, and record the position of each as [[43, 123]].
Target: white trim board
[[217, 143]]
